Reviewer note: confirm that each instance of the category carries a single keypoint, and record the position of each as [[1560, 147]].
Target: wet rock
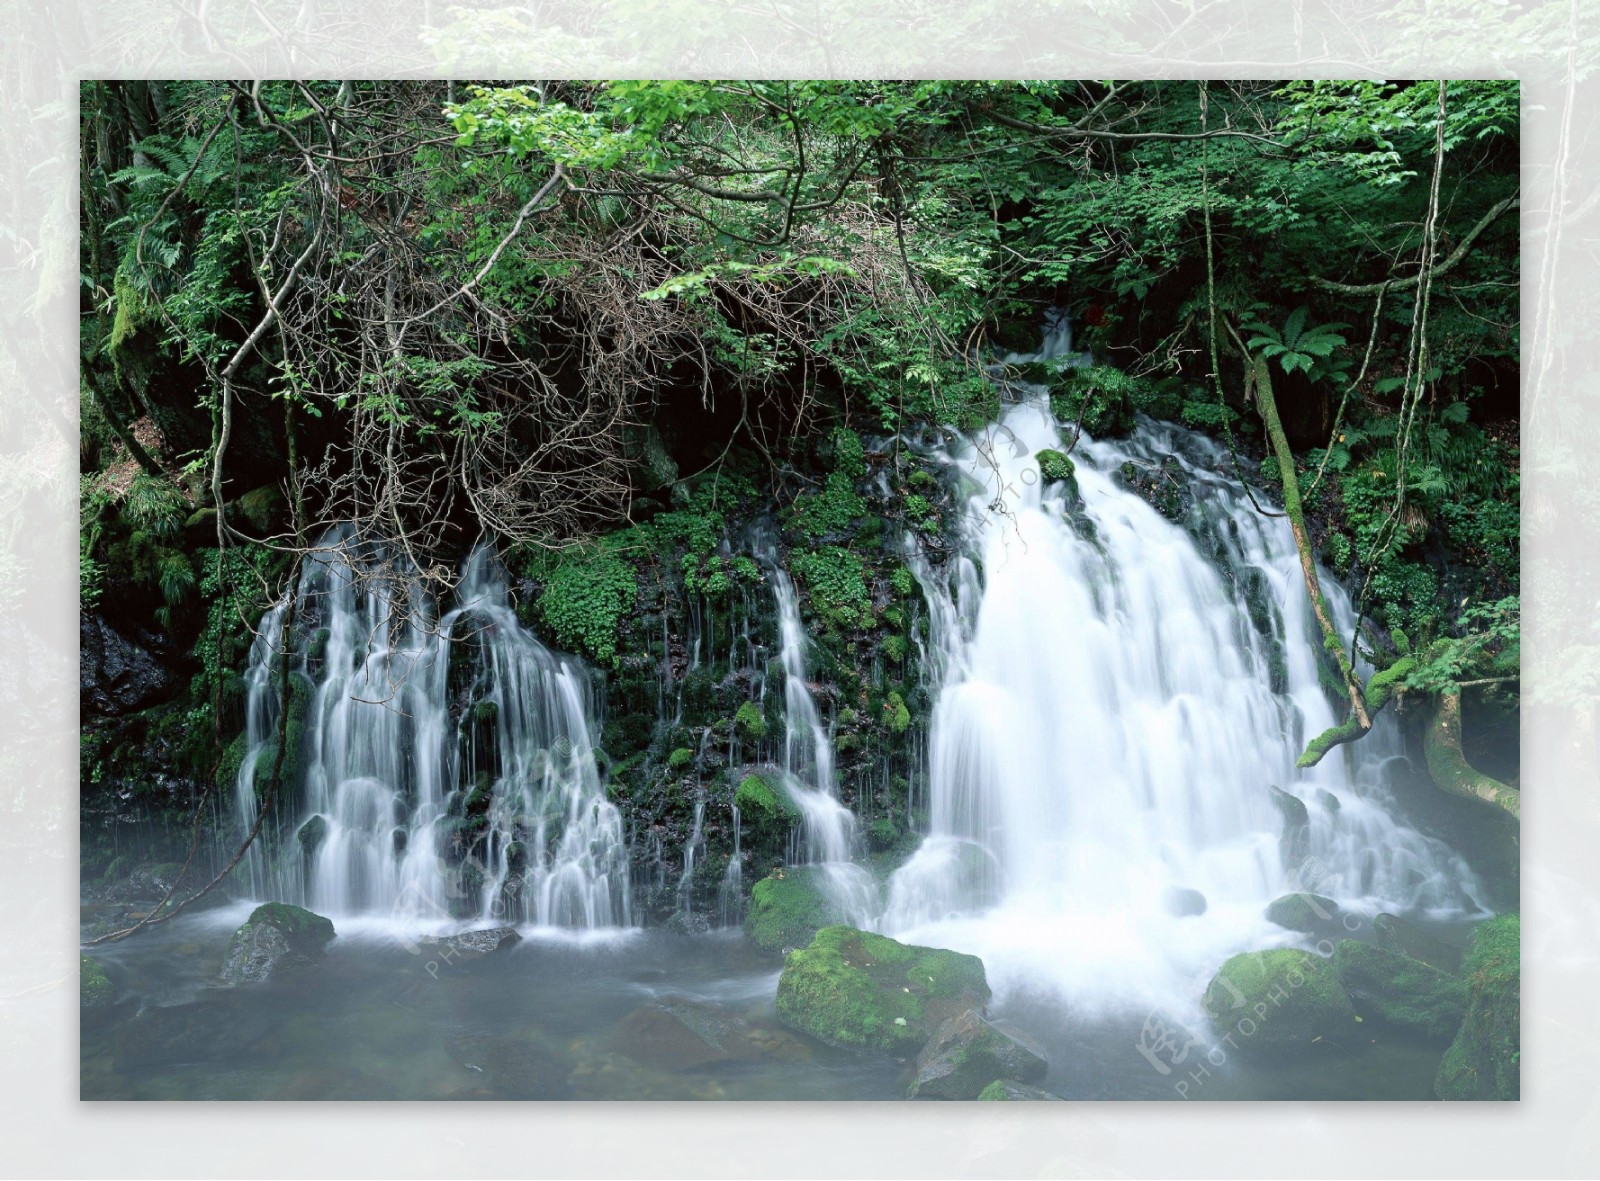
[[1182, 902], [788, 908], [967, 1053], [1485, 1059], [1328, 800], [1402, 992], [275, 936], [857, 990], [1310, 913], [1411, 940], [1280, 1001], [1295, 842], [1005, 1090], [470, 945], [116, 676], [681, 1035]]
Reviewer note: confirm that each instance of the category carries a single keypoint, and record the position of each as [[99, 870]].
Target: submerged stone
[[857, 990], [967, 1053], [275, 935], [1485, 1059], [471, 945], [788, 909], [678, 1035], [1280, 1000], [1405, 993]]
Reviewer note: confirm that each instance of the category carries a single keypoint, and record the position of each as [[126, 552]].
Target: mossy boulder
[[788, 908], [95, 990], [312, 833], [1310, 913], [967, 1053], [1399, 991], [1280, 1000], [857, 990], [747, 720], [1485, 1059], [274, 936], [1056, 467], [764, 804]]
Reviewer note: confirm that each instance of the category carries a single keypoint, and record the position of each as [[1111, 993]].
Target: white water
[[828, 835], [1106, 732], [389, 765]]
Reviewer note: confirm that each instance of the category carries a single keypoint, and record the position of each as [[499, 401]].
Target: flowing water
[[449, 762], [1121, 692], [1118, 696]]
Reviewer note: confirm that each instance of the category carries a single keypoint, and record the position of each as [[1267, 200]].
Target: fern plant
[[1296, 347]]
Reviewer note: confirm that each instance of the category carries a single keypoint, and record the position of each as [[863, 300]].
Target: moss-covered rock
[[788, 908], [1405, 993], [1280, 1000], [967, 1053], [747, 720], [1006, 1091], [858, 990], [312, 833], [95, 990], [1056, 467], [275, 934], [1485, 1059], [1310, 913]]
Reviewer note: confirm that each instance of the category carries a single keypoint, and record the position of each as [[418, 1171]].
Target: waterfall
[[1118, 694], [828, 835], [449, 766]]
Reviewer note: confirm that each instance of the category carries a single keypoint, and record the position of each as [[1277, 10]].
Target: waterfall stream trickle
[[1119, 693], [449, 765]]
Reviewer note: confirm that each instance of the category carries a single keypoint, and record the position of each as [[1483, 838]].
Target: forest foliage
[[582, 319]]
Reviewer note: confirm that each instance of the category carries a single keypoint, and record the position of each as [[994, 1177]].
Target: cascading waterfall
[[449, 762], [1119, 694], [828, 835]]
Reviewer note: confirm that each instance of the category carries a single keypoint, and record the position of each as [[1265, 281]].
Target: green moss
[[585, 592], [903, 581], [1056, 467], [1303, 912], [759, 802], [830, 511], [95, 990], [748, 721], [863, 991], [1399, 991], [788, 908], [836, 583], [1280, 1000], [486, 712], [311, 834], [895, 714], [849, 456], [680, 758], [1485, 1059], [302, 928]]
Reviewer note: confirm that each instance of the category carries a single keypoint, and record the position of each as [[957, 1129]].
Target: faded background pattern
[[1553, 47]]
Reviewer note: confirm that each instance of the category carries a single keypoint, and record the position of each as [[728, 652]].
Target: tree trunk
[[1449, 767]]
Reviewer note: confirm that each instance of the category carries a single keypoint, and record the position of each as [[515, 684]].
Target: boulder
[[1485, 1059], [95, 990], [1004, 1091], [276, 935], [1279, 1000], [470, 945], [1411, 940], [1182, 902], [115, 675], [1310, 913], [858, 990], [1405, 993], [788, 908], [1296, 839], [967, 1053]]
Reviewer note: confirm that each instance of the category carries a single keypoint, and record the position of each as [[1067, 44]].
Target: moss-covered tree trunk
[[1332, 641], [1449, 767]]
